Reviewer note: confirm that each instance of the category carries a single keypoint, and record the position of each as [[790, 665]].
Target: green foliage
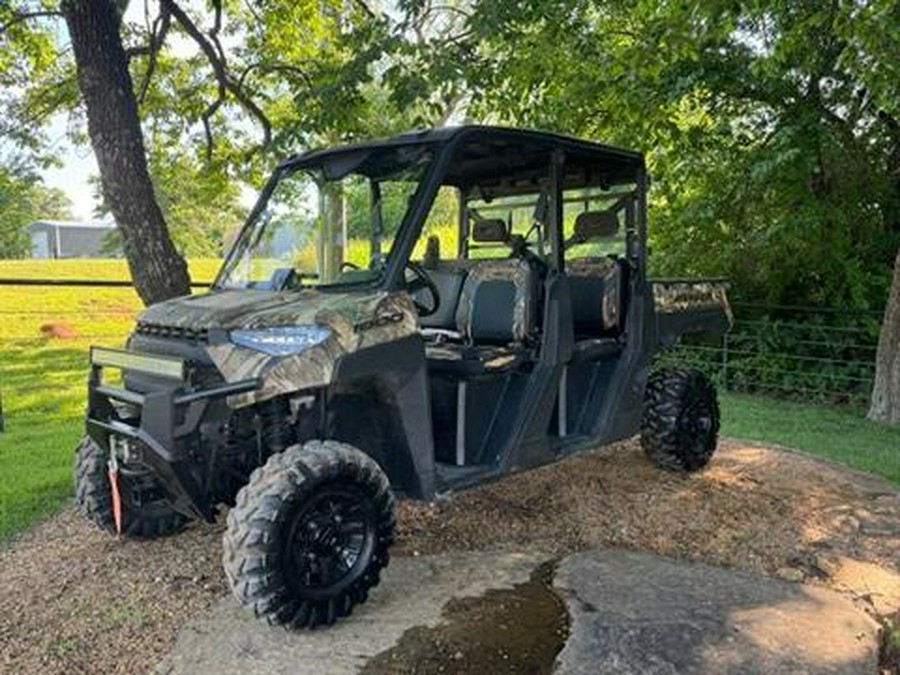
[[24, 199], [303, 68], [772, 129], [200, 201], [27, 57], [775, 154]]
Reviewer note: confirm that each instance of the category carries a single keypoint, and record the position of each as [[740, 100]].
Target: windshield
[[327, 224]]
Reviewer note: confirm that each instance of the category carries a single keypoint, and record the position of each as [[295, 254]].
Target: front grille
[[197, 335]]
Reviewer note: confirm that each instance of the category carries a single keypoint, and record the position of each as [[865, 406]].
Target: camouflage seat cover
[[465, 358], [513, 270], [490, 357], [604, 268]]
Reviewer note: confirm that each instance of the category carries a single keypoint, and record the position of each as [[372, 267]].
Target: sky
[[78, 164]]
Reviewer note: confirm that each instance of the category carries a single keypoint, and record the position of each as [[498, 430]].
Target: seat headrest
[[591, 225], [493, 230]]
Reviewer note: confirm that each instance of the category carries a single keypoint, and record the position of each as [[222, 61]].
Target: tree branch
[[217, 26], [363, 5], [249, 5], [157, 39], [207, 116], [273, 68], [450, 107], [25, 16], [214, 53], [451, 9]]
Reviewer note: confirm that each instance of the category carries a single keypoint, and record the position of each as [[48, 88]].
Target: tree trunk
[[886, 392], [332, 235], [157, 269]]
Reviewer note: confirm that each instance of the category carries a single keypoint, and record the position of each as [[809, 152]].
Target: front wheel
[[680, 427], [145, 512], [309, 534]]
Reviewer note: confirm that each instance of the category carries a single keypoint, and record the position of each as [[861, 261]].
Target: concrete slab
[[413, 593], [633, 613], [629, 613]]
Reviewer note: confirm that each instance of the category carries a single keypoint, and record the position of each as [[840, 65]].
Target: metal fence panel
[[804, 353]]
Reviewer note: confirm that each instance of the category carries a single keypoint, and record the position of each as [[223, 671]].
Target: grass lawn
[[836, 434], [42, 385], [42, 380]]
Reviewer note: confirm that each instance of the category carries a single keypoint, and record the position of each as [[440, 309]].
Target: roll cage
[[486, 163]]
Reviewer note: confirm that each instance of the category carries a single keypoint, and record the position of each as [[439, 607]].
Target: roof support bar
[[557, 169]]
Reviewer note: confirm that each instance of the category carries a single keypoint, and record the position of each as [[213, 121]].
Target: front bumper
[[162, 423]]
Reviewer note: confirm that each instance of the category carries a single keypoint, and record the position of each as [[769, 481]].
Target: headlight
[[281, 341]]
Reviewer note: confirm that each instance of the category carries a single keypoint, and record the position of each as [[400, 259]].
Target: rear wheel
[[145, 515], [309, 535], [680, 427]]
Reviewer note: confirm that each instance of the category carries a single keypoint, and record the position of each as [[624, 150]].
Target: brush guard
[[167, 418]]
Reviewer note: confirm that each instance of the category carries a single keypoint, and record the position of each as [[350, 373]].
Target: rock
[[846, 524], [412, 593], [792, 574], [869, 582], [660, 616]]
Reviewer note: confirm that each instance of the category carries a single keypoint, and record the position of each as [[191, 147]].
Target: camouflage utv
[[401, 318]]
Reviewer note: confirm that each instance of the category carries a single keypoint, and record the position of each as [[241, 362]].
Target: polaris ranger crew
[[397, 319]]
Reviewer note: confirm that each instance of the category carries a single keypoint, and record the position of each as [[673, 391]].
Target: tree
[[874, 32], [769, 151], [24, 199], [886, 391], [157, 269], [772, 129], [199, 200], [125, 75]]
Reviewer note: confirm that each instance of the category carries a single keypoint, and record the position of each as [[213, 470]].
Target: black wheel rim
[[695, 424], [329, 541]]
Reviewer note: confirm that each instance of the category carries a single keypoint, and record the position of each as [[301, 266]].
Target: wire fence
[[801, 353], [805, 353], [811, 354]]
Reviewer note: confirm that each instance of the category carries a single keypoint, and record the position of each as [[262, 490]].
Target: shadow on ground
[[74, 600]]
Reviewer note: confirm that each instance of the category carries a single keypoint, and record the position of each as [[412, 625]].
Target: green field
[[42, 384], [837, 434], [42, 379]]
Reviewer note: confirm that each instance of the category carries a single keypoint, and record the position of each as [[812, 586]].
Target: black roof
[[504, 159]]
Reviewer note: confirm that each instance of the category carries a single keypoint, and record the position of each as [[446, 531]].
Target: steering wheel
[[420, 282], [347, 265]]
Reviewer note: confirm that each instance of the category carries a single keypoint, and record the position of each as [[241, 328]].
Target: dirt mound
[[74, 600], [755, 508], [59, 330]]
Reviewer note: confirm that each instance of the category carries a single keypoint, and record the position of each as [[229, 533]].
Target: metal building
[[70, 239]]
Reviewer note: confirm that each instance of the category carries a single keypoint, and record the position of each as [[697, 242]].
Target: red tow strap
[[113, 471]]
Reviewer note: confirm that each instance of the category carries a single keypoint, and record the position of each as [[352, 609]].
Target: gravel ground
[[74, 600]]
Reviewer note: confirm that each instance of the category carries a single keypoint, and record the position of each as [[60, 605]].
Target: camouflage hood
[[357, 320], [225, 309], [249, 309]]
